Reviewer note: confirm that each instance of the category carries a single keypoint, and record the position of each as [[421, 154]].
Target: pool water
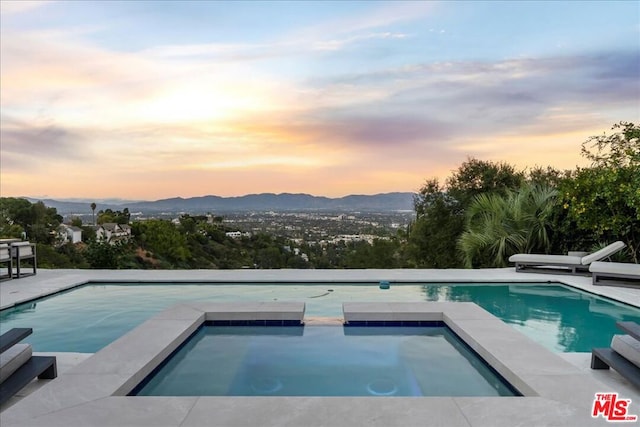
[[90, 317], [324, 361]]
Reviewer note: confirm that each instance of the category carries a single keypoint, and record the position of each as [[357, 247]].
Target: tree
[[36, 220], [65, 256], [475, 177], [188, 224], [118, 217], [498, 226], [440, 210], [620, 149], [545, 177], [45, 222], [605, 197], [88, 233], [381, 253], [93, 212], [15, 214], [162, 239], [102, 254], [438, 225], [269, 257]]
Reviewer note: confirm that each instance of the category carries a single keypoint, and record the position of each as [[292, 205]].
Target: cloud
[[383, 15], [334, 35], [98, 87], [510, 92], [69, 77], [267, 51], [375, 132], [25, 145], [225, 51], [387, 131], [339, 44], [14, 7]]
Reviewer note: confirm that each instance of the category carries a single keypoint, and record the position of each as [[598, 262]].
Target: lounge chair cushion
[[5, 255], [13, 358], [546, 259], [20, 244], [627, 347], [603, 253], [616, 268], [25, 249]]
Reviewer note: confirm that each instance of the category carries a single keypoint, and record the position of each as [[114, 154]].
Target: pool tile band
[[394, 323], [253, 323]]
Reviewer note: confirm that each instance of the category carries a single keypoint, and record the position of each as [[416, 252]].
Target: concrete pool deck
[[557, 392]]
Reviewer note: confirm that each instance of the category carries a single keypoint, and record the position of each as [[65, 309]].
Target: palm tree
[[93, 212], [499, 226]]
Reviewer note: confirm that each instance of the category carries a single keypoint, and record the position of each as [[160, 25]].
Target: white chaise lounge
[[615, 273], [562, 263]]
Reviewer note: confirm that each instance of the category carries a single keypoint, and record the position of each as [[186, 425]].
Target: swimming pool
[[87, 318], [324, 361]]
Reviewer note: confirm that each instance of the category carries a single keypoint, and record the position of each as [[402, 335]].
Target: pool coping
[[93, 393]]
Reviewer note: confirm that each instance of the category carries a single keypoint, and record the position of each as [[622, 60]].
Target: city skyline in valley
[[152, 100]]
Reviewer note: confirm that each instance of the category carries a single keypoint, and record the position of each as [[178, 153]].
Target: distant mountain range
[[253, 202]]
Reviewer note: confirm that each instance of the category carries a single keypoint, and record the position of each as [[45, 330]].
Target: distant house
[[237, 234], [69, 233], [112, 232]]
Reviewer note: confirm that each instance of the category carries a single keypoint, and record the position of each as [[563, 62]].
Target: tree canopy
[[605, 197], [35, 220], [499, 226], [492, 210]]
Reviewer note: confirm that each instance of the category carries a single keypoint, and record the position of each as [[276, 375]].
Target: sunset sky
[[150, 100]]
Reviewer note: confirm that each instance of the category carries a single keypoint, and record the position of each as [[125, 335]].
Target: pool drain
[[266, 385], [382, 387]]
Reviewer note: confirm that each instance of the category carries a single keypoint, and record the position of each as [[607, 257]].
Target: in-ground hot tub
[[412, 359]]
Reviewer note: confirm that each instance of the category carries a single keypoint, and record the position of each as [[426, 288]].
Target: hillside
[[252, 202]]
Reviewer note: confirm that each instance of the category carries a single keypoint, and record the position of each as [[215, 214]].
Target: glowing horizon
[[151, 100]]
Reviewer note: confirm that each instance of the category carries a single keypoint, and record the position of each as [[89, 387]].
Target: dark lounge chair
[[623, 355], [18, 367]]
